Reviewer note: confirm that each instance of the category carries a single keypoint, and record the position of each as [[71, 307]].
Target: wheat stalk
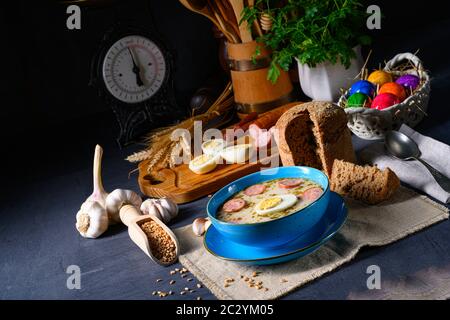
[[160, 150], [139, 156]]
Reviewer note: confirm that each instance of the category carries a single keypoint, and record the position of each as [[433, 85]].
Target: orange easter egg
[[380, 77], [395, 89]]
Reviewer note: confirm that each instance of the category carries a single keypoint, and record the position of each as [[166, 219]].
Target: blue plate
[[329, 225]]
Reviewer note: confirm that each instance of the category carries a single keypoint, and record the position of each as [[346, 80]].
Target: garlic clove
[[165, 215], [119, 198], [92, 219], [164, 209], [170, 206], [154, 211], [200, 225]]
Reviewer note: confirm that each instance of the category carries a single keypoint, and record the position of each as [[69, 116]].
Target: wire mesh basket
[[372, 124]]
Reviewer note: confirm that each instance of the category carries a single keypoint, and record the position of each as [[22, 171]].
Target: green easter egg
[[358, 100]]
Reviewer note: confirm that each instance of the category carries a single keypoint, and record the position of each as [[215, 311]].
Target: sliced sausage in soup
[[255, 190], [312, 194], [290, 183], [234, 205]]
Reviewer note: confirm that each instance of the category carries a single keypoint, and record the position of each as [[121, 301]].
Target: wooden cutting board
[[182, 185]]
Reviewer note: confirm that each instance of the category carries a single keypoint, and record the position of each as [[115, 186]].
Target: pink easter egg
[[384, 100]]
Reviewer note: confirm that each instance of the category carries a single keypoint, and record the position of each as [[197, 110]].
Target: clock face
[[134, 69]]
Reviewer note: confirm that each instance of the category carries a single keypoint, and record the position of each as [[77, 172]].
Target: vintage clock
[[133, 73]]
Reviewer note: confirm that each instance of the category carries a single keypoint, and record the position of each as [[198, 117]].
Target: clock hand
[[136, 70]]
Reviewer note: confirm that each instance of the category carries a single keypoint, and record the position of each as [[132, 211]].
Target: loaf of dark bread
[[366, 183], [314, 134]]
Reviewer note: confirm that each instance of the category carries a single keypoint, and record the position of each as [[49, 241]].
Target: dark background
[[46, 66], [51, 117]]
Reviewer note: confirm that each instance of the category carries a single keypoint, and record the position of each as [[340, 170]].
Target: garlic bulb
[[164, 209], [200, 225], [117, 199], [92, 219], [92, 215]]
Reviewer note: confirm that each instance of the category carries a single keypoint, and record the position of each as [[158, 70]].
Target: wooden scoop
[[133, 218]]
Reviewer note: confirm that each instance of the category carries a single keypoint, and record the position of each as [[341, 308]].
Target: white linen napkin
[[414, 173]]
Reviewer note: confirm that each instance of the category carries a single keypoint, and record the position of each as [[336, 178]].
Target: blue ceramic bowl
[[275, 232]]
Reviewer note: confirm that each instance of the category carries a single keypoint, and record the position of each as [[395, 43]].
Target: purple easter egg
[[409, 81]]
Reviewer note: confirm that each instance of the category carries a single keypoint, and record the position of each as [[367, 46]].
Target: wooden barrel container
[[252, 91]]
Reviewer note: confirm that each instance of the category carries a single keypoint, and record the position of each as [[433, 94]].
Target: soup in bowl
[[270, 207]]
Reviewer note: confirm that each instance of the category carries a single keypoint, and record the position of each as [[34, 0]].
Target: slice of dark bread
[[366, 183], [314, 134]]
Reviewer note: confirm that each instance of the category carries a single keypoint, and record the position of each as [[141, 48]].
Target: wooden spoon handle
[[128, 214], [256, 27], [238, 7]]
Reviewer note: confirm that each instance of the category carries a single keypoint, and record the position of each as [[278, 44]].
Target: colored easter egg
[[364, 87], [409, 81], [395, 89], [358, 100], [384, 100], [380, 77]]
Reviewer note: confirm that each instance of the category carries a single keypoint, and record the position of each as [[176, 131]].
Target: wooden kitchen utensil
[[227, 12], [223, 23], [133, 219], [238, 7], [256, 26], [201, 7]]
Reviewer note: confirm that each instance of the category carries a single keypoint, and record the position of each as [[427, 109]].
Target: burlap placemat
[[407, 213]]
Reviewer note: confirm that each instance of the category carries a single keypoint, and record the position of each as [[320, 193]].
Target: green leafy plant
[[313, 31]]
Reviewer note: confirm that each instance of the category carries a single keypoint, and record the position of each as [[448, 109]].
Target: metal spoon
[[402, 147]]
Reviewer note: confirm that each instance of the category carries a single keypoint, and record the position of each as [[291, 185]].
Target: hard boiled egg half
[[214, 146], [275, 204], [238, 153], [203, 164]]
